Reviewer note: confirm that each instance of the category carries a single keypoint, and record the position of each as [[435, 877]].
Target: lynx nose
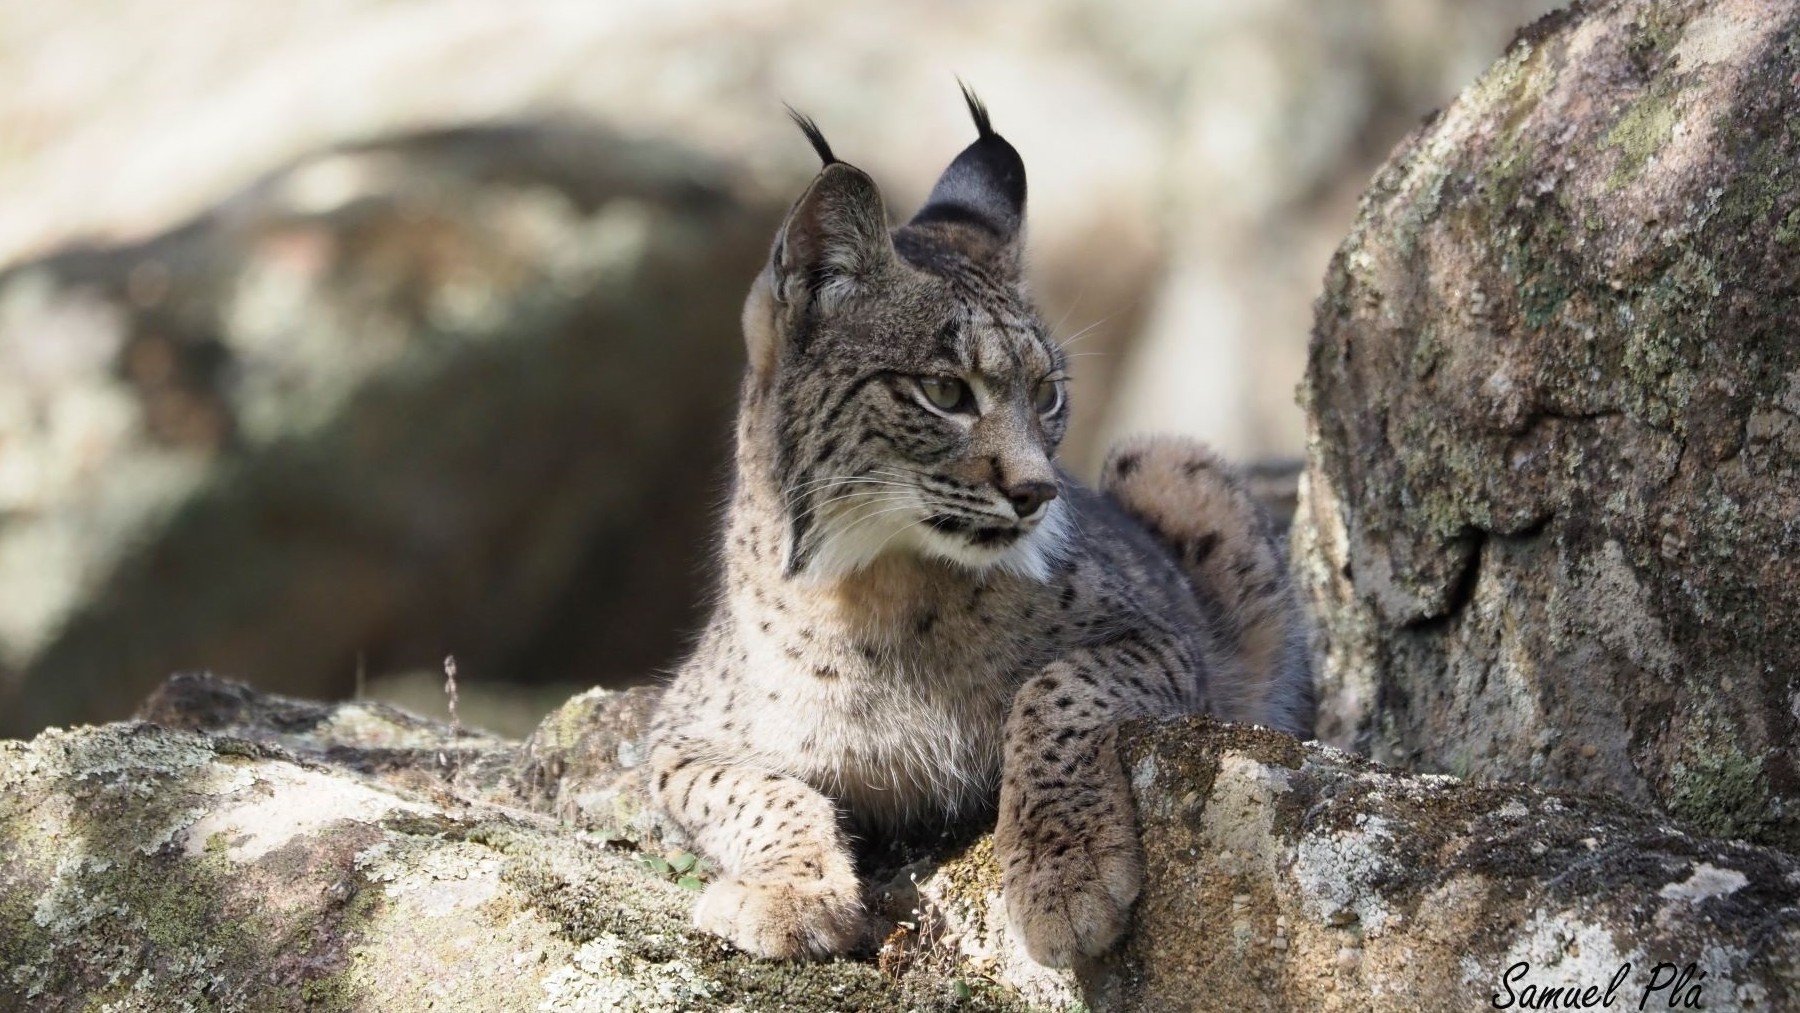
[[1027, 497]]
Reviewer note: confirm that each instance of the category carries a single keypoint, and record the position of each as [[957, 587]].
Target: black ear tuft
[[815, 135], [984, 186], [977, 110]]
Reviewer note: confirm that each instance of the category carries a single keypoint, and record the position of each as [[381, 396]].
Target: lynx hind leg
[[1198, 505], [789, 889]]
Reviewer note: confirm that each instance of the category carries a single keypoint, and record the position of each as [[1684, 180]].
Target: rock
[[394, 401], [267, 853], [1282, 876], [1554, 399], [151, 868]]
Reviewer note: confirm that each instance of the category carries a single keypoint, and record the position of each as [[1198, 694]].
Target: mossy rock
[[1554, 400], [258, 853]]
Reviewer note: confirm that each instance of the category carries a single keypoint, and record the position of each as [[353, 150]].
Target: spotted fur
[[921, 620]]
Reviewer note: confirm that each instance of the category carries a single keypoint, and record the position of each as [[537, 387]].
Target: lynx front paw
[[784, 919], [1072, 896]]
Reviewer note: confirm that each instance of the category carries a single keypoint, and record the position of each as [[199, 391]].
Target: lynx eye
[[947, 393], [1047, 398]]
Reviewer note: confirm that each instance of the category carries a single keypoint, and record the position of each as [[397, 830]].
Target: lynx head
[[911, 396]]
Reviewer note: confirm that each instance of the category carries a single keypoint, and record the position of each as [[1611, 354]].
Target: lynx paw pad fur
[[783, 919], [1075, 904]]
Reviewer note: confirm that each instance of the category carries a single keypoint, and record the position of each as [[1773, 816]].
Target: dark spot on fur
[[1202, 547]]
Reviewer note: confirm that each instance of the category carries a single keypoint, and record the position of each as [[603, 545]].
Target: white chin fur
[[859, 532], [856, 545]]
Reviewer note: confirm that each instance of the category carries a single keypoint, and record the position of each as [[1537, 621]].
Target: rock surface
[[252, 852], [146, 868], [1552, 518], [392, 402]]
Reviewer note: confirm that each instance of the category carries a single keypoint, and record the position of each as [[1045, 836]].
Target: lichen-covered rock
[[145, 867], [1554, 399], [394, 400], [579, 759], [256, 853], [1282, 876]]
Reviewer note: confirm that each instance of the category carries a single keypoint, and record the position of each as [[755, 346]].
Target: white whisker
[[1083, 333]]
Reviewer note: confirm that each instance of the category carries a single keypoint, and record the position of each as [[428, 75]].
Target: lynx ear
[[833, 244], [984, 187], [835, 240]]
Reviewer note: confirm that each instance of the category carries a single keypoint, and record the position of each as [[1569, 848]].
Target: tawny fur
[[897, 645], [1197, 504]]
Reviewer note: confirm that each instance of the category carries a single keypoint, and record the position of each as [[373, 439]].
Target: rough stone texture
[[1552, 512], [253, 852], [343, 859], [394, 401], [1289, 877]]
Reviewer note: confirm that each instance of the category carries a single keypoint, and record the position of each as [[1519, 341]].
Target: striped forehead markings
[[993, 329], [997, 351], [952, 343]]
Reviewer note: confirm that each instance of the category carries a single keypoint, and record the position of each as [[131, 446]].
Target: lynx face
[[916, 397]]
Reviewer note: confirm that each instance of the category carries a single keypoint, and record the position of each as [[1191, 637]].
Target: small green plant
[[684, 868]]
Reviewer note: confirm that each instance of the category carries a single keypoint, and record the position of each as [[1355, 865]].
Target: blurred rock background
[[339, 336]]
